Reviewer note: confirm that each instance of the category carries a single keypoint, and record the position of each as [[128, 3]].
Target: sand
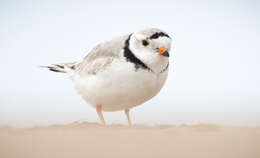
[[90, 140]]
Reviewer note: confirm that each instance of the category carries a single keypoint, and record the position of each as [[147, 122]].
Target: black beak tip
[[166, 54]]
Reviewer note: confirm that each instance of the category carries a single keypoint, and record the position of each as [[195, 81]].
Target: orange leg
[[128, 117], [100, 114]]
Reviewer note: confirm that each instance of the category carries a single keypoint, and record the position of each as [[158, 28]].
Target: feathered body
[[121, 73]]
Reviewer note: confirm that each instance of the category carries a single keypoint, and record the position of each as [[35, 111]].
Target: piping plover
[[121, 73]]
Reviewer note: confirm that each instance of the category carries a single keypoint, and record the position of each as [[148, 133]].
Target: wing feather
[[101, 56]]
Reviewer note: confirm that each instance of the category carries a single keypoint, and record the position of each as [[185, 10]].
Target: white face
[[152, 47], [154, 43]]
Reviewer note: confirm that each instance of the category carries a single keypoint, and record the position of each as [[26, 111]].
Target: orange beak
[[163, 51]]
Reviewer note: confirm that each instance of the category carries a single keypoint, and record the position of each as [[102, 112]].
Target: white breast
[[119, 86]]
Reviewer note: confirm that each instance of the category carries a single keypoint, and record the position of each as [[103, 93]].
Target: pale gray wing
[[101, 56]]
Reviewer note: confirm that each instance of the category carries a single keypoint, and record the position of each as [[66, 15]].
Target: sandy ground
[[87, 140]]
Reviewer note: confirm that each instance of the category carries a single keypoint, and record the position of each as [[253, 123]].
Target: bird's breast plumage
[[119, 86]]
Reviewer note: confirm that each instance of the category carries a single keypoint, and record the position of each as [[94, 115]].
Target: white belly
[[119, 86]]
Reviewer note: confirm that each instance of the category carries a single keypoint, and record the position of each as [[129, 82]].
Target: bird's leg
[[128, 117], [100, 114]]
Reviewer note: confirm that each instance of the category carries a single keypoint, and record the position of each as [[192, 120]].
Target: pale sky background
[[214, 66]]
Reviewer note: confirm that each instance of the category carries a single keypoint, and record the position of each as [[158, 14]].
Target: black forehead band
[[159, 34]]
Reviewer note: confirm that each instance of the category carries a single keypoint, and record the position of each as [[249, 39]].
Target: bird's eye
[[145, 43]]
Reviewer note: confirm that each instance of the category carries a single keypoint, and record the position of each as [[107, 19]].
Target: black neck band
[[130, 57]]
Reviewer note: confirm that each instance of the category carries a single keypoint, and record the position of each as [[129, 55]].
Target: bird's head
[[151, 46]]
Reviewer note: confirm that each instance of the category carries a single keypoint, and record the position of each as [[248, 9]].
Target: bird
[[122, 73]]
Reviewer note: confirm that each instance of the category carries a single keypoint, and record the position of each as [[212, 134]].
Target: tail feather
[[54, 68], [63, 68]]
